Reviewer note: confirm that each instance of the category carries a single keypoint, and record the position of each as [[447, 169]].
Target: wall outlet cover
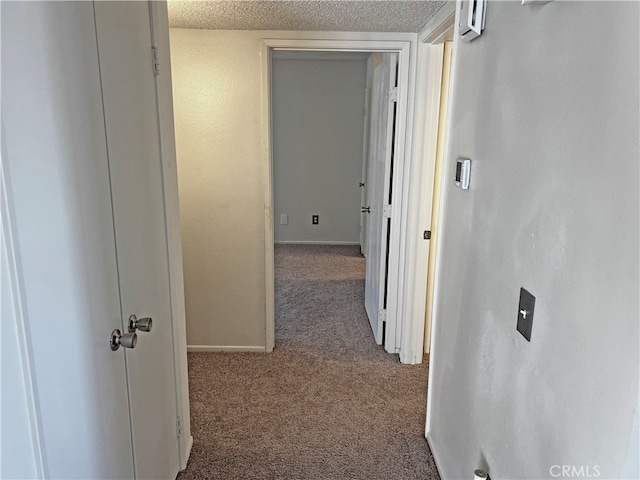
[[315, 219]]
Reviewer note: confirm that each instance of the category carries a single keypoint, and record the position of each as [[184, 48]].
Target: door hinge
[[386, 211], [382, 315], [155, 60], [427, 234], [393, 94], [179, 426]]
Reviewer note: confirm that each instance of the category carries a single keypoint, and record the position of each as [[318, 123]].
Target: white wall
[[318, 126], [545, 103], [217, 101]]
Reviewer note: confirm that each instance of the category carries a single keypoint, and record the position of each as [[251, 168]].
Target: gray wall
[[318, 125], [546, 105]]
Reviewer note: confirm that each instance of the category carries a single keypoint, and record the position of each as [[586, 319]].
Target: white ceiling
[[308, 15]]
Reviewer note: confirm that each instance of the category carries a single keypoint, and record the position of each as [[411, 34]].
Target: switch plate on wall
[[463, 173], [284, 219], [525, 313], [315, 219]]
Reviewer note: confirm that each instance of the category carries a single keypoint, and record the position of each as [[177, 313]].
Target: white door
[[379, 191], [54, 161], [84, 187], [364, 216], [126, 61]]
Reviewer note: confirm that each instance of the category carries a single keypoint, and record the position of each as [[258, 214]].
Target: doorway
[[389, 303], [328, 109], [318, 102]]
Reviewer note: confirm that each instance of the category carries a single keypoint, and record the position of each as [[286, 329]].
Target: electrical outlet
[[525, 313], [284, 219], [315, 219]]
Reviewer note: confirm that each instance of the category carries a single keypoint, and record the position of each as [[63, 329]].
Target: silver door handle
[[128, 340], [142, 324]]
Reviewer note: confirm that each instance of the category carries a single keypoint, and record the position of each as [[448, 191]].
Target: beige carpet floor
[[328, 403]]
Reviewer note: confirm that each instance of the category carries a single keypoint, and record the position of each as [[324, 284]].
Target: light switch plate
[[525, 313], [472, 19], [463, 173]]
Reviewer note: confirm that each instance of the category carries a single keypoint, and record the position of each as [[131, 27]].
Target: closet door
[[128, 87], [380, 179], [60, 231]]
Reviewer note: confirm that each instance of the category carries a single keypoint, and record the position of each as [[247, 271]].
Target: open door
[[127, 67], [379, 181], [364, 216], [59, 228], [85, 231]]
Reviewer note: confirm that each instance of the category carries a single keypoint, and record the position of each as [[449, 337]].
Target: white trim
[[436, 459], [314, 242], [16, 288], [164, 95], [420, 182], [400, 200], [351, 43], [433, 349], [405, 46], [307, 55], [226, 348], [421, 185], [267, 169]]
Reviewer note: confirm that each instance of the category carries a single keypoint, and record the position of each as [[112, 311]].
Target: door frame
[[428, 86], [164, 95], [431, 40], [404, 45]]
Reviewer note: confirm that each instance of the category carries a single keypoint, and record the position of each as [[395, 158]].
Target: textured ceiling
[[309, 15]]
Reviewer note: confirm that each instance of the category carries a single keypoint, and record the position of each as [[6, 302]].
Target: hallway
[[328, 403]]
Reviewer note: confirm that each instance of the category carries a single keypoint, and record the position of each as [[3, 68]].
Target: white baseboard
[[314, 242], [225, 348], [435, 459]]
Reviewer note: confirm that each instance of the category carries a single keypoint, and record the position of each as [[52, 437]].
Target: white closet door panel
[[56, 168], [378, 182], [124, 40]]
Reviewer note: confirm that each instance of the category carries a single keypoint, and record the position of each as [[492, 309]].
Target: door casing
[[405, 46], [164, 94], [428, 83]]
